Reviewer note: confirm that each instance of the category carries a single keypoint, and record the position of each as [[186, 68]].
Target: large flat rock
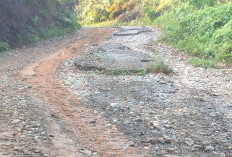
[[112, 56]]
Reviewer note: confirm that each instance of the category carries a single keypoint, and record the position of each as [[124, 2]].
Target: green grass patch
[[139, 72], [45, 33], [203, 32], [4, 46], [200, 62], [158, 66], [52, 31]]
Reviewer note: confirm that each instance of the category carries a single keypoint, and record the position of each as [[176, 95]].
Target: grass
[[45, 33], [158, 66], [200, 62], [202, 32], [4, 46], [51, 31], [104, 24], [139, 72]]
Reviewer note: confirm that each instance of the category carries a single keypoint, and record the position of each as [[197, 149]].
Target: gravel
[[176, 115]]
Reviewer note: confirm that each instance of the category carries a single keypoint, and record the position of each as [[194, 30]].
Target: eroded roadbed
[[161, 113], [90, 94]]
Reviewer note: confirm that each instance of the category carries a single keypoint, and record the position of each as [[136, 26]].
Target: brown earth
[[93, 131], [40, 116]]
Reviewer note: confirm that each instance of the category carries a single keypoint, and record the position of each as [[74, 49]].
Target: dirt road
[[49, 107]]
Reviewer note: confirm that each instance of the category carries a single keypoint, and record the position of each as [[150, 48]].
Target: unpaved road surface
[[56, 99]]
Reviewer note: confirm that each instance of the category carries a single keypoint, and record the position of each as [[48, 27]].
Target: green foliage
[[205, 32], [35, 20], [158, 66], [52, 31], [92, 12], [66, 22], [4, 46], [199, 27], [139, 72], [204, 63], [45, 33]]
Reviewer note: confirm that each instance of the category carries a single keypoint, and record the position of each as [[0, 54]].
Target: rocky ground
[[79, 96], [187, 113]]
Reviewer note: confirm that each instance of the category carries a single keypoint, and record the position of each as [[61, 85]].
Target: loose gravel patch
[[167, 115]]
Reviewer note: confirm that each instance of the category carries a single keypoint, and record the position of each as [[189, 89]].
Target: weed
[[204, 63], [158, 66], [204, 32], [139, 72], [4, 46]]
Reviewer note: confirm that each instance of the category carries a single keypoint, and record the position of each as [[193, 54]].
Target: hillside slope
[[24, 21]]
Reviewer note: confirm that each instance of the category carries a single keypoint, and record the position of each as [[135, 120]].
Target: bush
[[158, 66], [204, 63], [204, 32], [4, 46]]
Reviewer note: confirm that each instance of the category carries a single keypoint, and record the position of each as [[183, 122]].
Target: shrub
[[4, 46], [204, 32], [204, 63], [158, 66]]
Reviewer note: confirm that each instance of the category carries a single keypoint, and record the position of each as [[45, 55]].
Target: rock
[[161, 140], [196, 146], [189, 141], [126, 121], [95, 154], [209, 148], [171, 150], [15, 121], [155, 124], [151, 140], [162, 82], [87, 152]]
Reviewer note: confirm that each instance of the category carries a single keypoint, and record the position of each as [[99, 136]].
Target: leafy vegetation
[[66, 22], [205, 33], [36, 20], [202, 28], [158, 66], [197, 62], [4, 46]]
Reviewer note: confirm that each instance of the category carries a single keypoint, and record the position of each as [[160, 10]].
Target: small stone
[[168, 126], [209, 148], [189, 141], [147, 148], [15, 121], [87, 152], [195, 146], [155, 123], [162, 82], [151, 140], [95, 154], [161, 140], [171, 150], [92, 121]]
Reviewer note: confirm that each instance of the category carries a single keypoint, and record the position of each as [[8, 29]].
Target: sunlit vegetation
[[200, 62], [205, 32], [4, 46], [202, 28]]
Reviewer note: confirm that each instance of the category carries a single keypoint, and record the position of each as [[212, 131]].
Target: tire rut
[[91, 130]]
